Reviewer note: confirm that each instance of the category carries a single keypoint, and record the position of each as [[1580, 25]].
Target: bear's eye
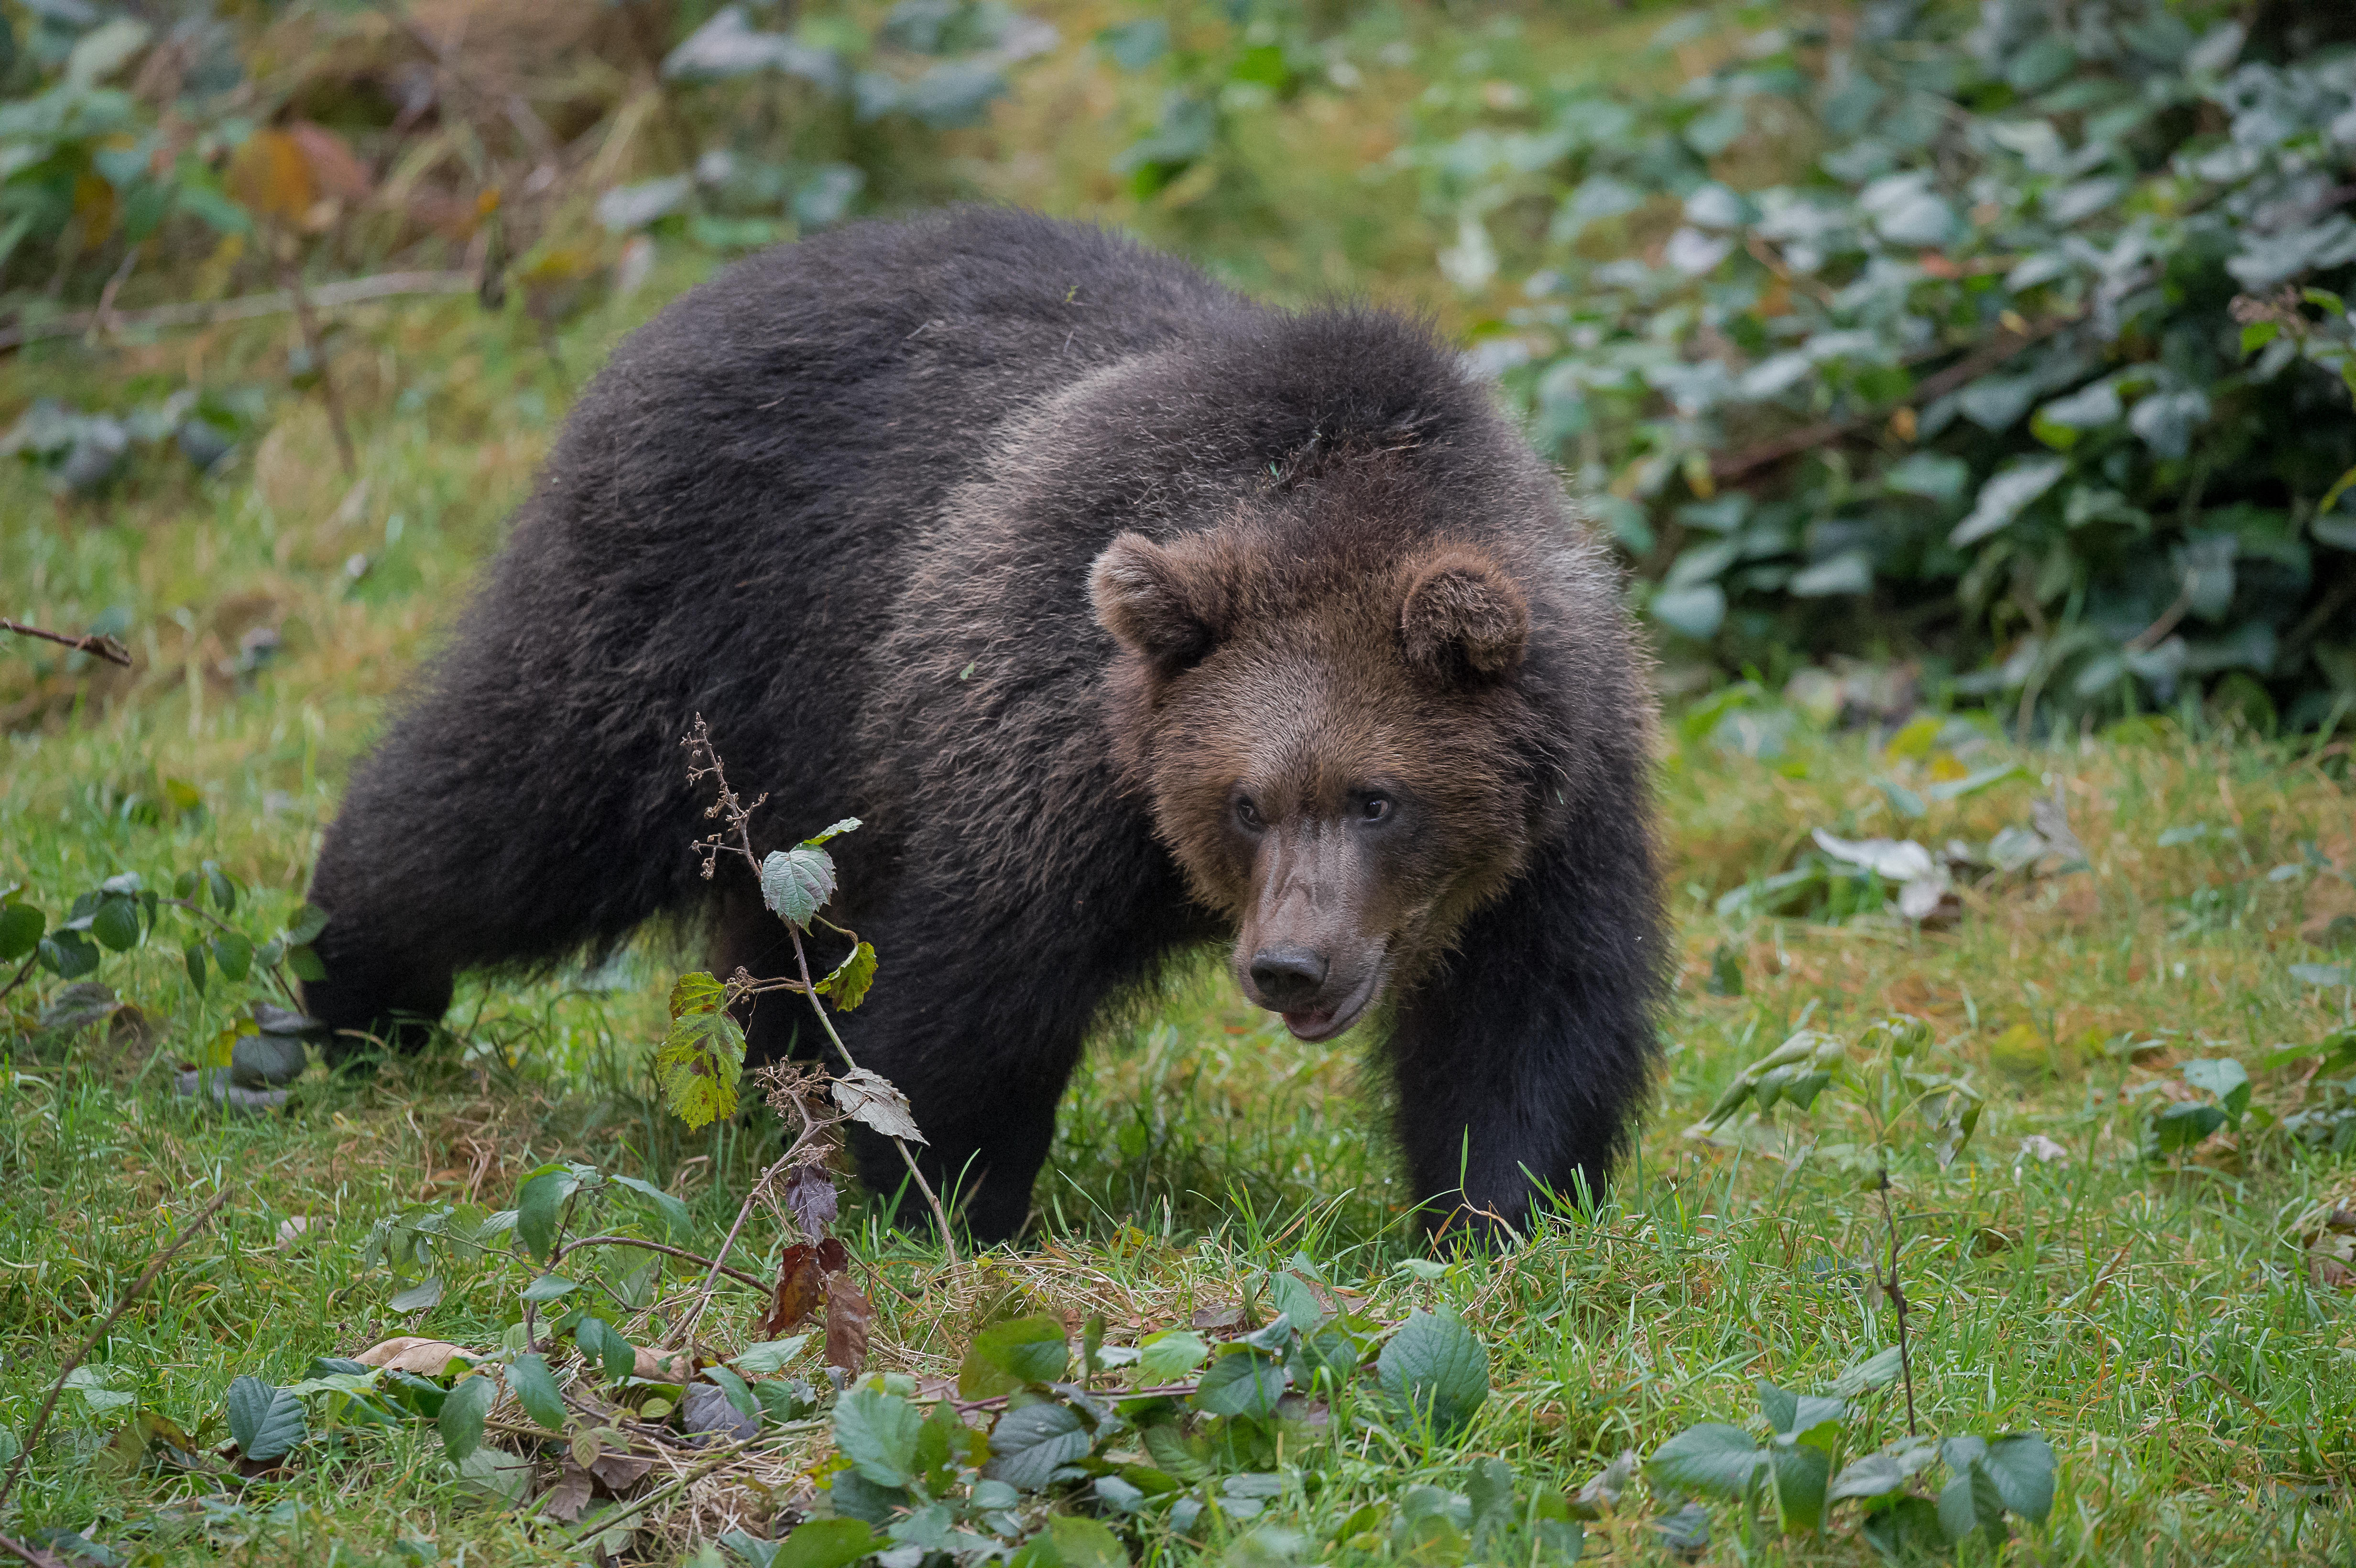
[[1248, 815], [1374, 807]]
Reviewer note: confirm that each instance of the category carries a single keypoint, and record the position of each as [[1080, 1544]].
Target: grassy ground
[[2158, 1321]]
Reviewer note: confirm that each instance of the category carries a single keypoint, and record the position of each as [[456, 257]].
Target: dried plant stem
[[940, 1215], [97, 642], [737, 1275], [1898, 1301], [138, 1288], [292, 276]]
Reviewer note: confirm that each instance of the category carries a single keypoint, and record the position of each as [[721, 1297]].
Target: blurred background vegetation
[[1910, 351]]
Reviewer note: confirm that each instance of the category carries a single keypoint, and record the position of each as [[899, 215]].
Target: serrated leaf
[[696, 992], [1435, 1365], [699, 1065], [266, 1423], [877, 1431], [1241, 1380], [848, 982], [535, 1390], [797, 883], [1007, 1355], [871, 1098], [1713, 1458], [1971, 1503], [461, 1418], [1029, 1445]]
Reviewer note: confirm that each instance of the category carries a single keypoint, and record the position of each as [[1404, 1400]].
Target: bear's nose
[[1287, 977]]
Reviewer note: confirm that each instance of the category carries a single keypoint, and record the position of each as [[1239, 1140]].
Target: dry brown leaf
[[618, 1473], [1218, 1318], [2333, 1274], [269, 176], [566, 1501], [335, 171], [802, 1274], [425, 1358], [848, 1317], [663, 1366]]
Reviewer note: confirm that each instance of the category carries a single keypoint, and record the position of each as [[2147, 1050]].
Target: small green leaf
[[826, 1543], [2258, 334], [1290, 1295], [305, 964], [115, 924], [614, 1353], [1874, 1476], [308, 923], [740, 1394], [677, 1227], [1971, 1503], [1029, 1445], [847, 825], [2181, 1126], [67, 955], [849, 980], [877, 1431], [2225, 1078], [540, 1204], [1907, 1529], [1713, 1458], [20, 931], [1799, 1475], [1082, 1543], [770, 1357], [1170, 1355], [1242, 1381], [1007, 1355], [195, 959], [422, 1296], [266, 1423], [550, 1287], [1435, 1366], [535, 1390], [797, 883], [233, 953], [2021, 1464], [223, 890], [461, 1420]]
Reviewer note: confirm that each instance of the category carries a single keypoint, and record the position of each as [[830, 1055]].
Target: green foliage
[[1213, 63], [2013, 1474], [1887, 1075], [702, 1056], [1985, 321], [1435, 1368]]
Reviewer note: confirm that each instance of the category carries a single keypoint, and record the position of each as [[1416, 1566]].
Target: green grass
[[2157, 1320]]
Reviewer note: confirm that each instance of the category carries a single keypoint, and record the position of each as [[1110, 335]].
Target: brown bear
[[1131, 615]]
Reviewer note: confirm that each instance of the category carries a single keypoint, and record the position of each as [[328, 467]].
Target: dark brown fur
[[1047, 556]]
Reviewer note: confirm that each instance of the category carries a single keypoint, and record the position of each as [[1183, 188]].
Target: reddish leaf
[[810, 1195], [847, 1315], [802, 1274], [335, 171], [565, 1500]]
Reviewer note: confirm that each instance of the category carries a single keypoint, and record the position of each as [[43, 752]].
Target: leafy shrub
[[137, 153], [2004, 339]]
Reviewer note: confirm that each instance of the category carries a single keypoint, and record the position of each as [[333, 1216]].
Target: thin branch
[[25, 1553], [97, 642], [738, 1274], [1897, 1300], [278, 301], [316, 343], [49, 1405], [22, 970]]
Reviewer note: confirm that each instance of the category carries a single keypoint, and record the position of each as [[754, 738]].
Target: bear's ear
[[1164, 604], [1463, 618]]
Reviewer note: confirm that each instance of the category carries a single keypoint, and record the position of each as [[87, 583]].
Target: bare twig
[[138, 1286], [1898, 1301], [25, 1554], [737, 1275], [292, 276], [339, 295], [22, 970], [97, 642]]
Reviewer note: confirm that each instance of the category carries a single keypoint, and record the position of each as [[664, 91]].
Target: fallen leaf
[[2333, 1274], [565, 1501], [802, 1274], [2039, 1147], [620, 1472], [425, 1358], [1216, 1318], [1604, 1491], [847, 1316], [871, 1098], [663, 1366]]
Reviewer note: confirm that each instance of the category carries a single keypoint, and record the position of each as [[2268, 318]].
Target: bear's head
[[1324, 716]]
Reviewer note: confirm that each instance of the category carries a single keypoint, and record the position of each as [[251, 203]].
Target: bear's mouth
[[1325, 1023]]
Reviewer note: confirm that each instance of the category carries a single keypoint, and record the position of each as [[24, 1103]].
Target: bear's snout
[[1288, 978]]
